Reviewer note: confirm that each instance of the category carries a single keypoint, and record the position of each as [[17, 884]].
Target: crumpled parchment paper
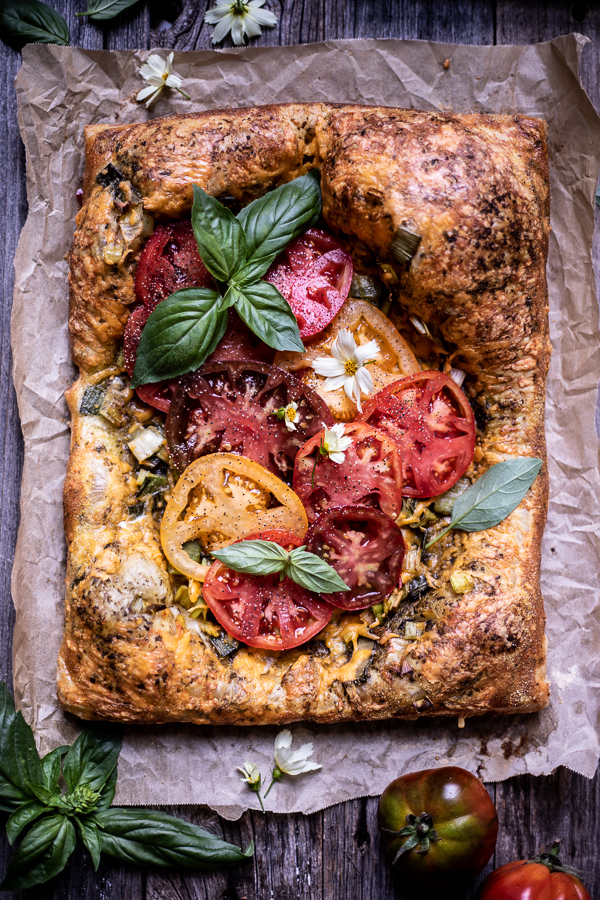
[[62, 89]]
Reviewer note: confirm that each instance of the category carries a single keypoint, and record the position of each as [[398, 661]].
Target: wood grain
[[335, 853]]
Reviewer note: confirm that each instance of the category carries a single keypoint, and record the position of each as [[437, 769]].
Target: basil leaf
[[101, 10], [180, 333], [43, 853], [154, 838], [493, 496], [268, 315], [22, 817], [107, 792], [51, 763], [31, 22], [92, 759], [219, 235], [274, 220], [91, 839], [254, 557], [313, 573], [19, 760]]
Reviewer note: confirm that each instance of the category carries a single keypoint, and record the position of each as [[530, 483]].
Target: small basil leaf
[[92, 759], [30, 22], [154, 838], [180, 333], [101, 10], [274, 220], [19, 760], [313, 573], [22, 817], [219, 235], [269, 316], [107, 792], [91, 838], [51, 767], [49, 798], [42, 854], [253, 557], [493, 496], [252, 271]]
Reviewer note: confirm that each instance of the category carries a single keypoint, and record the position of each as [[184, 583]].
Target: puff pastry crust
[[476, 188]]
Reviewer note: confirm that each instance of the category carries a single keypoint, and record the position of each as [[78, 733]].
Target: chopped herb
[[365, 287], [152, 484], [224, 644], [404, 245], [444, 503], [92, 399], [417, 588], [193, 550]]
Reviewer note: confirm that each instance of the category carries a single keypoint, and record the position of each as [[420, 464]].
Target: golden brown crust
[[476, 188]]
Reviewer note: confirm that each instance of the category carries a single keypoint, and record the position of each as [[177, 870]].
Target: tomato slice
[[371, 474], [169, 261], [232, 407], [432, 422], [262, 610], [366, 323], [365, 547], [220, 499], [314, 275]]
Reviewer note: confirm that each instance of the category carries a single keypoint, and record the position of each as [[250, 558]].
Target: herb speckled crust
[[476, 188]]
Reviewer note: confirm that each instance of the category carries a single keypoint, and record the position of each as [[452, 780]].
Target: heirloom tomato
[[371, 474], [239, 407], [438, 825], [265, 610], [314, 275], [431, 421], [169, 262], [222, 498], [366, 549], [366, 323], [542, 878]]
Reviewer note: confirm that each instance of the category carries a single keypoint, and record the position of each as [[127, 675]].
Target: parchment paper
[[61, 89]]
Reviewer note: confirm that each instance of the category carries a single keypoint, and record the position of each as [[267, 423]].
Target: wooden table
[[336, 853]]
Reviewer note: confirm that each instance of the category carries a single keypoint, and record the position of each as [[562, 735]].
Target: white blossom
[[158, 74], [289, 415], [250, 774], [335, 443], [242, 17], [346, 366], [292, 762]]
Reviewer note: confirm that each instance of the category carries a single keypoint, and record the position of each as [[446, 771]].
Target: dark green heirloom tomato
[[542, 878], [438, 825]]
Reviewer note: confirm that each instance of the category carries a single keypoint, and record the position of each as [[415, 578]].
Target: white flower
[[346, 368], [292, 762], [335, 443], [250, 775], [288, 414], [158, 74], [241, 17]]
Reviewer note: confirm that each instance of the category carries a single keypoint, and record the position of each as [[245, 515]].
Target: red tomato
[[365, 547], [439, 826], [232, 407], [544, 878], [431, 421], [240, 344], [314, 275], [371, 474], [262, 610], [169, 261]]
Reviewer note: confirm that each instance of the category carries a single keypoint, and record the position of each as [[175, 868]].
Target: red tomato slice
[[261, 610], [365, 547], [431, 421], [314, 275], [169, 261], [371, 474], [232, 407]]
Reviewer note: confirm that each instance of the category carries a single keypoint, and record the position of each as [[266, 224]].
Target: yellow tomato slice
[[366, 323], [221, 498]]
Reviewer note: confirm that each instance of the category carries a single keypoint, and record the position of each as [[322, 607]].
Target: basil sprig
[[493, 496], [186, 327], [268, 558], [102, 10], [30, 792], [31, 22]]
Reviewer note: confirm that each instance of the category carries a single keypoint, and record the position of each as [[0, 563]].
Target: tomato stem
[[552, 861], [419, 832]]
